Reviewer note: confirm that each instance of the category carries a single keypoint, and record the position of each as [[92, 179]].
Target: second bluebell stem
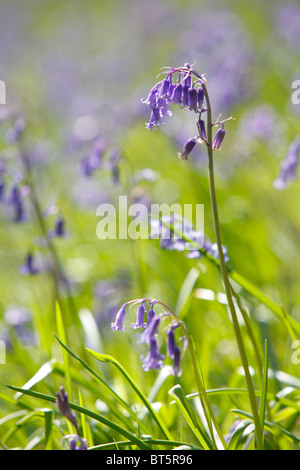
[[225, 278]]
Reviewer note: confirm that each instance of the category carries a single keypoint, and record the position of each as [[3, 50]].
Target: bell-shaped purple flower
[[188, 80], [150, 315], [140, 317], [193, 100], [201, 129], [185, 96], [118, 324], [29, 268], [16, 201], [218, 139], [155, 118], [187, 149], [151, 99], [177, 94], [164, 87], [64, 407], [151, 330], [176, 361], [59, 229], [171, 340], [200, 97], [153, 360], [2, 188]]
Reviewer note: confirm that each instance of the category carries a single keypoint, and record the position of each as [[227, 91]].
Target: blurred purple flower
[[289, 166], [59, 229], [29, 267], [287, 22], [153, 360], [64, 407]]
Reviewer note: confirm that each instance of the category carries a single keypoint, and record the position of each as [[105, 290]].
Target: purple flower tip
[[150, 331], [153, 360], [139, 318], [176, 370], [218, 139], [29, 267], [118, 324], [187, 149]]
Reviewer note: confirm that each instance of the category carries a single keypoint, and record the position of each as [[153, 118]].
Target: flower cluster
[[148, 320], [178, 234], [178, 87], [185, 87]]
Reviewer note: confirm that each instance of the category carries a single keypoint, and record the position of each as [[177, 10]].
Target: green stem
[[225, 277]]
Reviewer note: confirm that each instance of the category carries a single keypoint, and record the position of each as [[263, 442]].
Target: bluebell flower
[[29, 267], [140, 317], [77, 443], [150, 315], [176, 361], [289, 166], [178, 87], [153, 360], [59, 229], [2, 188], [193, 99], [187, 149], [15, 200], [177, 94], [118, 324], [200, 97], [64, 407], [201, 129], [218, 139], [155, 118], [193, 242], [151, 330], [91, 162], [14, 133]]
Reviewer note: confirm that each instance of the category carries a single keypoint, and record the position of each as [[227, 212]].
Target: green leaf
[[177, 393], [96, 416], [264, 389], [106, 358]]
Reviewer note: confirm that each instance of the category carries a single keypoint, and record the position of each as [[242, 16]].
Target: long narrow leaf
[[177, 393], [96, 416], [106, 358], [264, 389]]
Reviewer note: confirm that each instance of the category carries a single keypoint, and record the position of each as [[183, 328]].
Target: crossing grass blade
[[106, 358], [91, 414], [177, 393]]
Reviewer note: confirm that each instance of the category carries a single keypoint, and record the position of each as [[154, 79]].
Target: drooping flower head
[[149, 336], [182, 86]]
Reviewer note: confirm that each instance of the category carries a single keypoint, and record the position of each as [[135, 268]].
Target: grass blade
[[177, 393], [96, 416], [264, 389], [106, 358]]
